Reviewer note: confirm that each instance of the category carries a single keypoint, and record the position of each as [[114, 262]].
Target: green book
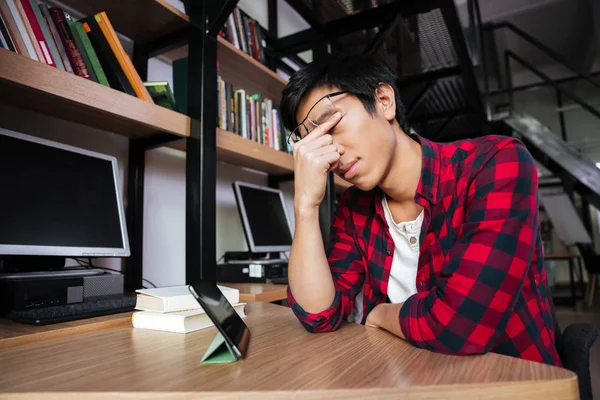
[[80, 46], [161, 94], [180, 78], [88, 49]]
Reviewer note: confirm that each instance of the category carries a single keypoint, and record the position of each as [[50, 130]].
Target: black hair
[[353, 73]]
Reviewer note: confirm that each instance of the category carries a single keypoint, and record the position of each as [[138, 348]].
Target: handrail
[[547, 50], [509, 54]]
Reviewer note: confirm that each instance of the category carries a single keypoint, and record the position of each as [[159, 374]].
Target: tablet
[[219, 310]]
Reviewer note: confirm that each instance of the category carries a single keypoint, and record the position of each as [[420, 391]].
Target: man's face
[[368, 141]]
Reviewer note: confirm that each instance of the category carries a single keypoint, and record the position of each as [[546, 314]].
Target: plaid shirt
[[481, 285]]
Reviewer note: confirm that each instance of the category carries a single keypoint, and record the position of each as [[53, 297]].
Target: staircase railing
[[477, 31]]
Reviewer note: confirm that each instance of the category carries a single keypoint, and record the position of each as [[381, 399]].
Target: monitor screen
[[264, 217], [58, 200]]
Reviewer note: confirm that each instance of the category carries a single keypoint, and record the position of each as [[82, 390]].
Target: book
[[69, 45], [87, 50], [161, 94], [56, 39], [17, 28], [178, 322], [176, 298], [34, 31], [5, 36], [37, 12], [126, 65], [110, 65]]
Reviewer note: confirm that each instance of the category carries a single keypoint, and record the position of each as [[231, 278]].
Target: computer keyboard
[[71, 312]]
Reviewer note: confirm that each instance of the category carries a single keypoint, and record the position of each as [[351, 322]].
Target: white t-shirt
[[403, 275]]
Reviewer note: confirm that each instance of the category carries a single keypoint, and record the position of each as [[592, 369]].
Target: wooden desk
[[267, 292], [283, 361]]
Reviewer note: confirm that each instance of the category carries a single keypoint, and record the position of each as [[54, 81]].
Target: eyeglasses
[[320, 112]]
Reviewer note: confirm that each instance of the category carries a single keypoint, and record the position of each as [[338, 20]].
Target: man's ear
[[386, 101]]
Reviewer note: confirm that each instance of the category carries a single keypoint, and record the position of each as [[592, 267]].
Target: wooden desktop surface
[[267, 292], [283, 360]]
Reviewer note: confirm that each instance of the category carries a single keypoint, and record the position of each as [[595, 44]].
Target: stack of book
[[245, 34], [88, 48], [174, 309], [250, 116]]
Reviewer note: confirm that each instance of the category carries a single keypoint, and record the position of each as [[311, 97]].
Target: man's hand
[[314, 156], [386, 316]]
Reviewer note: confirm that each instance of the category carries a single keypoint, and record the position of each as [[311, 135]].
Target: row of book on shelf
[[174, 309], [90, 48]]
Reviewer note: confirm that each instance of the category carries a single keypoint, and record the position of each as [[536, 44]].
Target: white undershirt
[[403, 275]]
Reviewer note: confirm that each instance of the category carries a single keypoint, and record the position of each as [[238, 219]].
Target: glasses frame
[[292, 135]]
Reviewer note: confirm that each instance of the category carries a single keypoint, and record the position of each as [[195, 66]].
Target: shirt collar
[[427, 190]]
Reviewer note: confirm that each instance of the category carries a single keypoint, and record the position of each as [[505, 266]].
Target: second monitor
[[264, 218]]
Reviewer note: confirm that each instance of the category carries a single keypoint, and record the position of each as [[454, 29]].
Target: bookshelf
[[32, 85]]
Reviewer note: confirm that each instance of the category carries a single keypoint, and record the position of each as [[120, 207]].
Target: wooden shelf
[[242, 71], [33, 85], [141, 20]]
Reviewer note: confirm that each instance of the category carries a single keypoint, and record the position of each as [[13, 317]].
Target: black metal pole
[[200, 243], [135, 215], [561, 115], [509, 82], [482, 58]]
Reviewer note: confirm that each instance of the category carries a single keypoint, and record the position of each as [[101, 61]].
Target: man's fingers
[[323, 128], [318, 143], [326, 149], [329, 159]]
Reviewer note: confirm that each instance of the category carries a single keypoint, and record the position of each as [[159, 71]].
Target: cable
[[88, 264]]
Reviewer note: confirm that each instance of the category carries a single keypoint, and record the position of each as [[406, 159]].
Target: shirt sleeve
[[347, 270], [471, 302]]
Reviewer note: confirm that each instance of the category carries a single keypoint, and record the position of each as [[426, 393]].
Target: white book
[[176, 298], [22, 30], [178, 322]]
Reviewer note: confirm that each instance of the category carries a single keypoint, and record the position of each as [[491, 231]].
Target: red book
[[75, 57], [37, 31]]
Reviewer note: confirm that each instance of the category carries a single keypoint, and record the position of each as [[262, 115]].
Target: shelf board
[[241, 70], [33, 85], [140, 20]]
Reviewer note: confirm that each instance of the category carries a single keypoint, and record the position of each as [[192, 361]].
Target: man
[[437, 243]]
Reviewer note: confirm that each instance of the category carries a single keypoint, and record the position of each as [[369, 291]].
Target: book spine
[[122, 56], [20, 29], [6, 35], [80, 47], [47, 35], [73, 53], [110, 64], [62, 52], [37, 32], [91, 53]]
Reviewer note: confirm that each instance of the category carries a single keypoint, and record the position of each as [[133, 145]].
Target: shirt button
[[389, 253], [413, 240], [421, 284]]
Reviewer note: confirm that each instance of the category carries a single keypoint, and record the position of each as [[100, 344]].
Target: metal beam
[[418, 99], [221, 17], [201, 160], [473, 96], [135, 215], [381, 36], [382, 14], [166, 43]]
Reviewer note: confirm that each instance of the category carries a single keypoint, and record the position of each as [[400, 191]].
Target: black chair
[[573, 345], [591, 259]]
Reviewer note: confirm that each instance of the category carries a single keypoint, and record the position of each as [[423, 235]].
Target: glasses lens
[[320, 113], [298, 133]]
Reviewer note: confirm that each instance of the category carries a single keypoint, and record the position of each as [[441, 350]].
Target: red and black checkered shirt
[[481, 285]]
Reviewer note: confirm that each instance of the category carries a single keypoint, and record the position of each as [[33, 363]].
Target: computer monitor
[[264, 217], [58, 200]]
